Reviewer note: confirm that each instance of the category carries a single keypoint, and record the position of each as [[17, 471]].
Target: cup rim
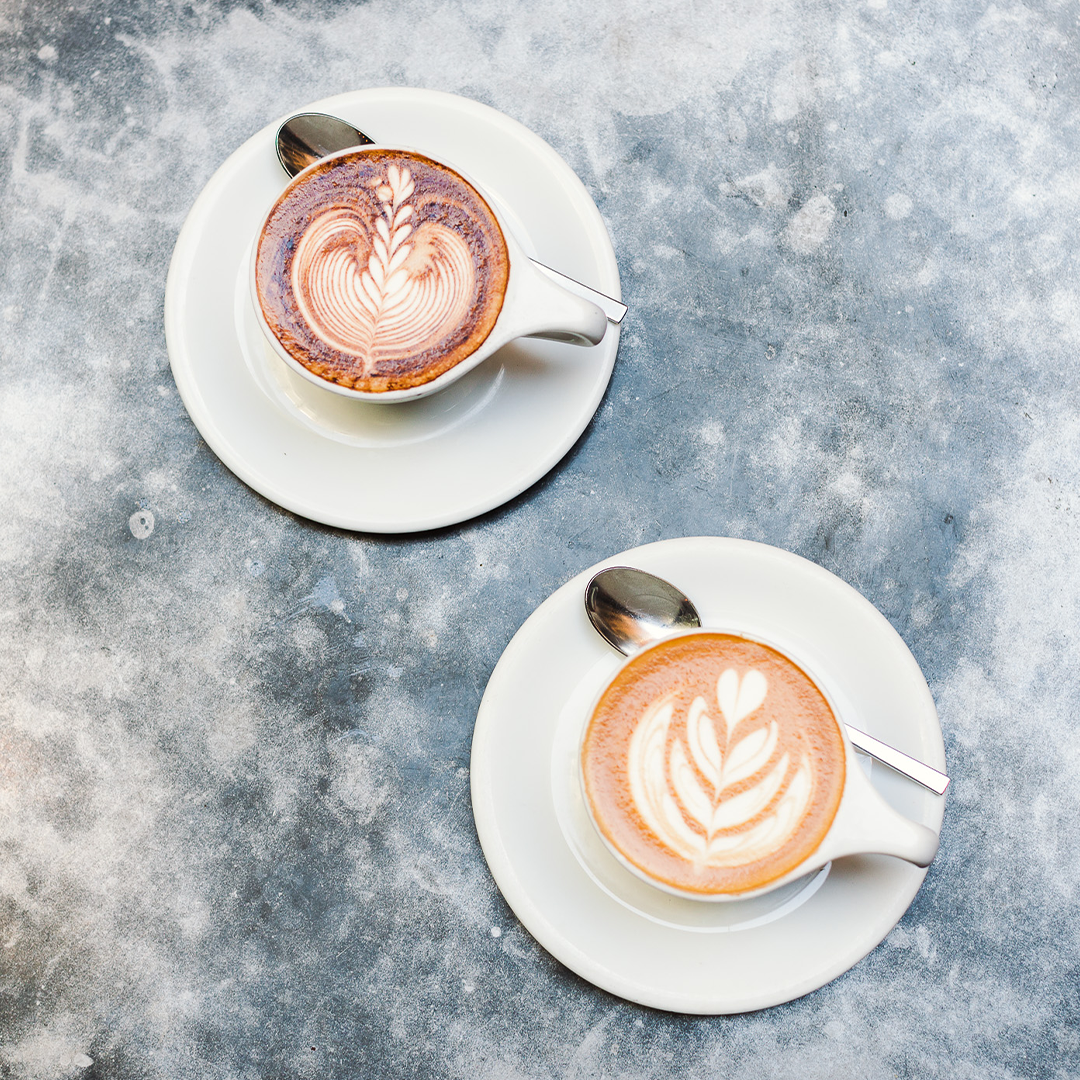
[[385, 397], [806, 866]]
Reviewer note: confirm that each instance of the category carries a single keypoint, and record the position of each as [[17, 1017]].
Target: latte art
[[415, 288], [380, 270], [688, 800], [714, 765]]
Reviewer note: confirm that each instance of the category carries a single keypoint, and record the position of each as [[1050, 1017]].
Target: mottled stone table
[[234, 795]]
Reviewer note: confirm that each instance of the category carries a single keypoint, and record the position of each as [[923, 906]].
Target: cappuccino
[[712, 764], [379, 270]]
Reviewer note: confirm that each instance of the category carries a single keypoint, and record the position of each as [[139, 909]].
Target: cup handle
[[552, 312], [865, 824]]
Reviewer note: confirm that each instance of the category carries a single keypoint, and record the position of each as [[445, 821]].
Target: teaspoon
[[631, 608], [305, 138]]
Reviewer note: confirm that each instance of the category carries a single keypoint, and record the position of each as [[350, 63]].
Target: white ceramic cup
[[533, 305], [863, 824]]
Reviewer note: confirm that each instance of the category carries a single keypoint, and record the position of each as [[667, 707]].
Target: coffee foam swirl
[[381, 271], [415, 288], [713, 764], [687, 801]]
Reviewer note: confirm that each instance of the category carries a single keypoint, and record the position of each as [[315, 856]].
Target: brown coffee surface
[[713, 764], [381, 269]]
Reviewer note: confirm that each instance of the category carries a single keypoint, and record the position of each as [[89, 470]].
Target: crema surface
[[713, 764], [380, 270]]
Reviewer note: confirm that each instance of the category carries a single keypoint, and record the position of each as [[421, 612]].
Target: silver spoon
[[305, 138], [631, 608]]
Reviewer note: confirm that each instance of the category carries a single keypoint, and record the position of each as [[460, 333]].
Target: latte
[[713, 764], [380, 269]]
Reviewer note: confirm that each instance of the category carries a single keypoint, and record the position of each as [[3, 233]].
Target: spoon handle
[[612, 308], [911, 767]]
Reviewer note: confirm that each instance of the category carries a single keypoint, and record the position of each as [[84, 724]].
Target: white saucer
[[389, 468], [680, 955]]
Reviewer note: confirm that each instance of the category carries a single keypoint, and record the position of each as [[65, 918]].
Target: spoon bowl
[[630, 608], [306, 138]]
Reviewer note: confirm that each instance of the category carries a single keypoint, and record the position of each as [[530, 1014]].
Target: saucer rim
[[476, 495], [551, 617]]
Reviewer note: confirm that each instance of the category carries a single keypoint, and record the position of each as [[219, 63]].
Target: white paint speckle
[[47, 54], [770, 187], [141, 524], [808, 228], [898, 206], [927, 274], [711, 433], [923, 942], [326, 595], [496, 932], [847, 484]]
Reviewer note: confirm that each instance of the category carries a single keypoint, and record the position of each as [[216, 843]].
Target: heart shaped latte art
[[380, 269], [411, 292]]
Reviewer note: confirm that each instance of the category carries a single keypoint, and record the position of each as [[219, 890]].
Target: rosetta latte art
[[683, 790], [414, 290], [380, 269]]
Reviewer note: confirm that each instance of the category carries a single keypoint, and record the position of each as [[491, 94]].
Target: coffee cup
[[385, 275], [714, 766]]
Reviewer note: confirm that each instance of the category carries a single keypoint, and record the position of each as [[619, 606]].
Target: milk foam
[[414, 291], [681, 790], [380, 269]]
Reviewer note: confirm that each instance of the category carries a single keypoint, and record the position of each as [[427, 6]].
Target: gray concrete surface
[[235, 832]]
